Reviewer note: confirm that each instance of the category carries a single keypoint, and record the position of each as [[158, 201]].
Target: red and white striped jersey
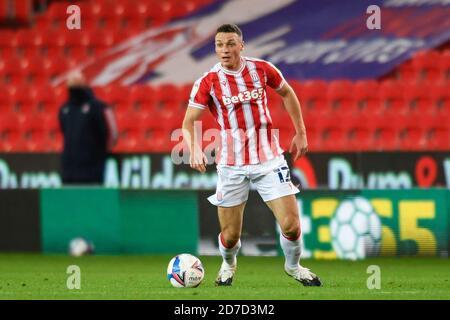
[[238, 101]]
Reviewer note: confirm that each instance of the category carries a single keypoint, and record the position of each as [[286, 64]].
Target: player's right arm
[[198, 102], [192, 136]]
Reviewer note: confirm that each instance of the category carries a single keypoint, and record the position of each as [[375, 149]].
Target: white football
[[80, 247], [185, 271], [356, 229]]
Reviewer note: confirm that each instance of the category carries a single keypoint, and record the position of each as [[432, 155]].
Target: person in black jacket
[[89, 130]]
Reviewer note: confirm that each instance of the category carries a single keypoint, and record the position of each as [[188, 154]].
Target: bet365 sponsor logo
[[244, 96]]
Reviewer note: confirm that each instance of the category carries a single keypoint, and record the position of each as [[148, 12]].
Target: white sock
[[229, 254], [292, 251]]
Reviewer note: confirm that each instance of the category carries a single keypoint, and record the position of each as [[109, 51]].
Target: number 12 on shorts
[[283, 174]]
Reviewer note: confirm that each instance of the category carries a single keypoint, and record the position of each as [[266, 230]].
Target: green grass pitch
[[29, 276]]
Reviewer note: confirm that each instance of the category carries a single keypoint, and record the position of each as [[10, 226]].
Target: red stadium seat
[[314, 138], [155, 137], [333, 134], [142, 98], [118, 97], [167, 93], [46, 100], [60, 94], [23, 10], [130, 133], [5, 101], [33, 70], [427, 63], [445, 65], [35, 134], [441, 99], [23, 99], [28, 40], [385, 132], [76, 42], [8, 44], [358, 134], [10, 72], [392, 97], [53, 44], [418, 98], [55, 67], [367, 97], [10, 134], [341, 98], [313, 98], [407, 73], [100, 41]]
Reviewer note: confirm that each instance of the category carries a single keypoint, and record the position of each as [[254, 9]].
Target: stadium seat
[[5, 100], [427, 63], [100, 41], [412, 137], [10, 72], [439, 139], [28, 40], [445, 65], [35, 134], [23, 11], [46, 100], [392, 97], [418, 98], [167, 94], [23, 99], [333, 134], [155, 138], [314, 138], [341, 98], [33, 70], [53, 44], [118, 97], [142, 98], [7, 44], [55, 66], [10, 134], [385, 132], [358, 135], [407, 73], [313, 96], [76, 42], [440, 95], [57, 14], [367, 97], [130, 133]]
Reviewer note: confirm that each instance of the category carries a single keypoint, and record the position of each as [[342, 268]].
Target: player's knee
[[230, 238], [292, 229]]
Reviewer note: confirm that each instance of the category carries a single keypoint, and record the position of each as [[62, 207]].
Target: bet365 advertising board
[[346, 224]]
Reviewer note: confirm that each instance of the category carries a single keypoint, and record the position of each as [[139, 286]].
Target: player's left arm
[[299, 143]]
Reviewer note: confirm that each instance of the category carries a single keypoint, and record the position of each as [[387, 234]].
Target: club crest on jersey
[[244, 96], [254, 76]]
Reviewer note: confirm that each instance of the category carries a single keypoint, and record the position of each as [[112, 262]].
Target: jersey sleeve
[[275, 78], [200, 97]]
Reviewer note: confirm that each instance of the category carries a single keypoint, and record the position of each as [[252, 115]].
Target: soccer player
[[234, 90]]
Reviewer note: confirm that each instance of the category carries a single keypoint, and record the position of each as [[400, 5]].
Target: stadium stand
[[409, 110]]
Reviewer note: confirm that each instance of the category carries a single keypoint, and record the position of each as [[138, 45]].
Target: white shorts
[[271, 179]]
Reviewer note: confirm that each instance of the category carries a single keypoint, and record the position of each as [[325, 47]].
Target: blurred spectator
[[89, 130]]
